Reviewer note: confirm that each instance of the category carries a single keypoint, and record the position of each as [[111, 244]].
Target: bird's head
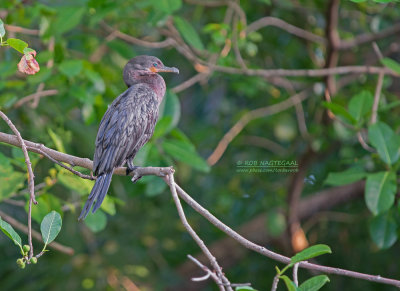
[[145, 65]]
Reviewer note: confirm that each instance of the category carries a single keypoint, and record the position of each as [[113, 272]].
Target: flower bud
[[28, 64]]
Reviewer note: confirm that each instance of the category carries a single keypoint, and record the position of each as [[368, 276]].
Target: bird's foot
[[131, 168]]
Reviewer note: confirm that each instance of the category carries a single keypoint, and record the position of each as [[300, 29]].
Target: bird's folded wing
[[126, 126]]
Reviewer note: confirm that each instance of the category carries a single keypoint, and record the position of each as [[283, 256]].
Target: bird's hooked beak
[[164, 70]]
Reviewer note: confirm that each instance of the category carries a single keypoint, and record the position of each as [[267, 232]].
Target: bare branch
[[165, 172], [128, 38], [272, 255], [295, 278], [249, 116], [170, 181], [275, 283], [34, 96], [276, 22], [368, 37], [377, 96], [22, 30], [304, 72]]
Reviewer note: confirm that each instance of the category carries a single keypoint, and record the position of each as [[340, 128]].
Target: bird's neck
[[155, 82]]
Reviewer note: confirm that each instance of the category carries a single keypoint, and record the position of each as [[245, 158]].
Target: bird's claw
[[136, 178]]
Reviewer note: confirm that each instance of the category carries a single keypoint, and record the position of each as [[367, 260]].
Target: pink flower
[[28, 64]]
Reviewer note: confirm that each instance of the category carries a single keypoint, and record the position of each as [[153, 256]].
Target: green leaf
[[188, 33], [340, 111], [27, 51], [170, 110], [289, 283], [167, 6], [348, 176], [185, 152], [380, 191], [96, 221], [57, 140], [245, 288], [2, 30], [383, 230], [9, 231], [67, 19], [73, 182], [310, 252], [386, 142], [17, 44], [314, 283], [155, 186], [50, 227], [46, 203], [108, 205], [122, 48], [71, 68], [360, 105], [391, 64], [10, 180]]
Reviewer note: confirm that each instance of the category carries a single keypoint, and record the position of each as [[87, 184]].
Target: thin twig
[[34, 96], [276, 22], [249, 116], [275, 283], [272, 255], [170, 181], [128, 38], [378, 88], [31, 177], [368, 37], [22, 30], [295, 271], [83, 176], [363, 143], [209, 273]]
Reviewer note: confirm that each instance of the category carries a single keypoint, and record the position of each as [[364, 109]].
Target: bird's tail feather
[[98, 193]]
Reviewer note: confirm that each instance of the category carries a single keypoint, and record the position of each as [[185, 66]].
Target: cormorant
[[127, 124]]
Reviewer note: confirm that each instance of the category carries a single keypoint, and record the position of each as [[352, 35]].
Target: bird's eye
[[155, 65]]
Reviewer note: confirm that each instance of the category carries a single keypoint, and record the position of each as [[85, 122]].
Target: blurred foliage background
[[137, 237]]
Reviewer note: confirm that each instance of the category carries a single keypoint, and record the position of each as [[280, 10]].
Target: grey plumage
[[128, 124]]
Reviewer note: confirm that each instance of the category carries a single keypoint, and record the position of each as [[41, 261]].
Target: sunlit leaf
[[17, 44], [188, 32], [9, 231], [310, 252], [50, 226]]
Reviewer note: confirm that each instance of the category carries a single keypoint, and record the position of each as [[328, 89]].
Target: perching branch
[[163, 172]]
